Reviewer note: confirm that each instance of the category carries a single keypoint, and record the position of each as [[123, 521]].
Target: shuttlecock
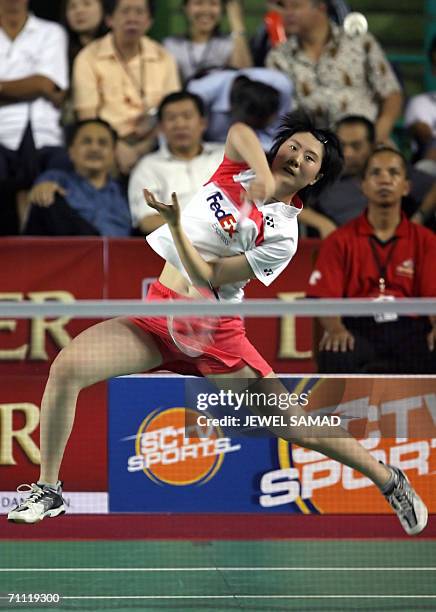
[[355, 24]]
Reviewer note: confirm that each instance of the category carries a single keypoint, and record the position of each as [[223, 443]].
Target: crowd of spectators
[[93, 109]]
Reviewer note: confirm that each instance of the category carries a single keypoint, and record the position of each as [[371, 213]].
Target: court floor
[[221, 575]]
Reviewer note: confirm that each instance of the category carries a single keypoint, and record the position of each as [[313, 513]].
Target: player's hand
[[261, 188], [337, 341], [44, 194], [170, 212]]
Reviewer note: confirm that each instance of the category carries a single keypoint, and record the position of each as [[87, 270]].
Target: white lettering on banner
[[22, 436], [401, 408], [420, 462], [279, 487], [310, 480], [161, 447], [353, 410], [430, 401], [39, 327], [352, 480]]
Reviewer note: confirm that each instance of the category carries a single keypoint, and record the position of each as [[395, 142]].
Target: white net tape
[[250, 307]]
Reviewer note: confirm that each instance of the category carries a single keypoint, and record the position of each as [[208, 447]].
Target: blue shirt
[[106, 208]]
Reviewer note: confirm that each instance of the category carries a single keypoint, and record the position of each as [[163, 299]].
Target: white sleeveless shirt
[[219, 223]]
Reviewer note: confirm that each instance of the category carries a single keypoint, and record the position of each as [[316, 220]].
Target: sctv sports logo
[[226, 220], [171, 448]]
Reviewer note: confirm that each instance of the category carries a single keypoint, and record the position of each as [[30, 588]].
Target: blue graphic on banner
[[158, 463]]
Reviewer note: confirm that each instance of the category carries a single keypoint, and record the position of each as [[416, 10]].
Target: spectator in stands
[[204, 47], [85, 200], [383, 256], [183, 162], [33, 80], [344, 200], [84, 21], [334, 74], [123, 76], [255, 96], [277, 24], [420, 119]]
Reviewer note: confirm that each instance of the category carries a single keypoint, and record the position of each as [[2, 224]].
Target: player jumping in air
[[241, 225]]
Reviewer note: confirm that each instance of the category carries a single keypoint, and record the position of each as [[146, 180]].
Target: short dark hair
[[361, 120], [73, 130], [110, 6], [253, 102], [332, 161], [386, 149], [179, 96]]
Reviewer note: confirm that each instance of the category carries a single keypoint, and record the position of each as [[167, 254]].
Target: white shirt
[[215, 90], [39, 49], [193, 57], [220, 225], [162, 173], [422, 109]]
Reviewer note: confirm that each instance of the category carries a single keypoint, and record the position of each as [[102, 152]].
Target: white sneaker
[[43, 501], [410, 508]]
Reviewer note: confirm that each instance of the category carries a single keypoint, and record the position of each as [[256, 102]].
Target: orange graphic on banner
[[394, 419], [170, 456]]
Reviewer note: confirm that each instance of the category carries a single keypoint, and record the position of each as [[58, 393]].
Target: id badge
[[385, 317]]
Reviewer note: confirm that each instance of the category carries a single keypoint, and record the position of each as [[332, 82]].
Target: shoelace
[[403, 499], [37, 492]]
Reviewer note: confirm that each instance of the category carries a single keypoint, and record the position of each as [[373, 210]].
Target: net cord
[[249, 307]]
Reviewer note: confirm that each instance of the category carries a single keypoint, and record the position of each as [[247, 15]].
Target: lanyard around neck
[[138, 86], [382, 267]]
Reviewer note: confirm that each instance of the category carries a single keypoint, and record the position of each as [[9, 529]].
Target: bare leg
[[108, 349], [343, 448]]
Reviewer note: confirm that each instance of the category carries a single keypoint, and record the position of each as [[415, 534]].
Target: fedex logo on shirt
[[226, 220]]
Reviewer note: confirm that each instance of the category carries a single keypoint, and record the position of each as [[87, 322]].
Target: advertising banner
[[38, 270], [173, 447], [85, 463]]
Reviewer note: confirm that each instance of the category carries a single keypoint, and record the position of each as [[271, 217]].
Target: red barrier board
[[85, 464], [41, 269]]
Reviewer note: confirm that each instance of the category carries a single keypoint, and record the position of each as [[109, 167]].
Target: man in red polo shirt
[[381, 255]]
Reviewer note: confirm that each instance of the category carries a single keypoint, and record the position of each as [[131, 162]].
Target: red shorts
[[230, 351]]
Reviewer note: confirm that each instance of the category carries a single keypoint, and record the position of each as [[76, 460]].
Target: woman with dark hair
[[84, 21], [242, 225], [204, 47]]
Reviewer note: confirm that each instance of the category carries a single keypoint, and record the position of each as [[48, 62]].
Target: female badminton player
[[241, 225]]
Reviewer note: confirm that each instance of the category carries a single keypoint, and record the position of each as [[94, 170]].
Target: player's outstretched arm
[[242, 145], [201, 272]]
